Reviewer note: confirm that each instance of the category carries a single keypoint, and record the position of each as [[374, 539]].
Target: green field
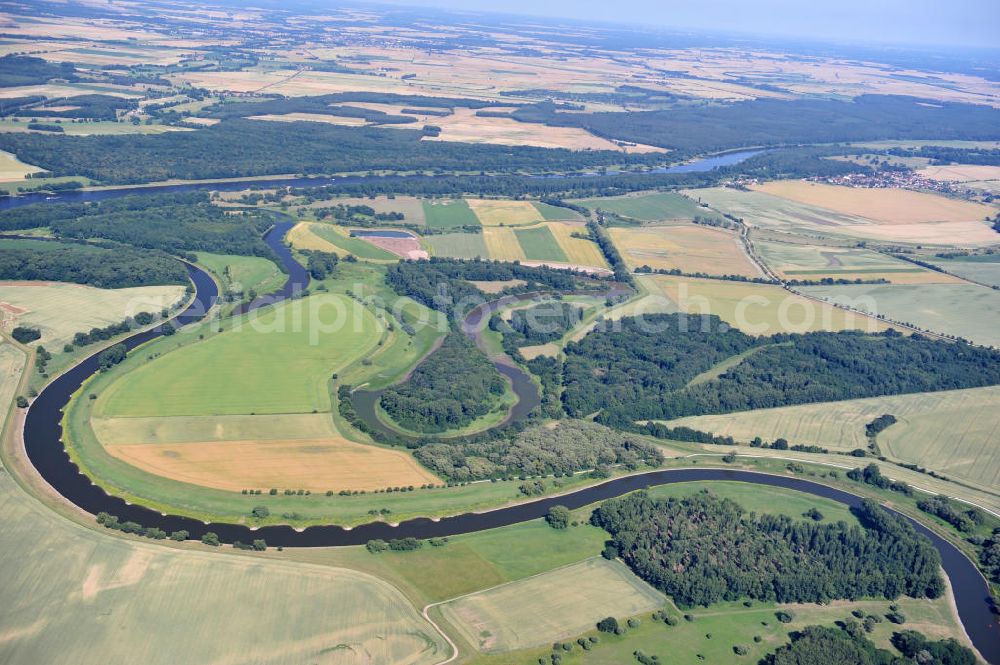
[[355, 246], [984, 269], [449, 214], [563, 602], [458, 245], [77, 595], [277, 361], [539, 244], [716, 630], [551, 213], [966, 310], [799, 261], [244, 272], [647, 207], [773, 212], [953, 432]]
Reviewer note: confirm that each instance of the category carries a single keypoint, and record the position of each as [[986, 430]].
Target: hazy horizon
[[960, 23]]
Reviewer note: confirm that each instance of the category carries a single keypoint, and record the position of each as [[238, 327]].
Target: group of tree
[[18, 70], [105, 266], [321, 264], [93, 107], [701, 550], [845, 644], [112, 330], [25, 334], [553, 448], [640, 369], [964, 519], [176, 223], [540, 323], [111, 356], [451, 388]]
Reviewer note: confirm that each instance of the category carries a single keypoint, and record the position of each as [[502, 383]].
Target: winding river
[[42, 441]]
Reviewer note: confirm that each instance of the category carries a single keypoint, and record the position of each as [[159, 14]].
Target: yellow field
[[961, 172], [313, 464], [61, 310], [883, 206], [578, 251], [302, 237], [496, 286], [11, 369], [531, 352], [312, 117], [492, 212], [756, 309], [689, 248], [12, 169], [502, 244]]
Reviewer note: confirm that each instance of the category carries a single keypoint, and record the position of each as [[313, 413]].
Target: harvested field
[[539, 244], [815, 262], [302, 236], [965, 310], [502, 244], [329, 238], [449, 214], [882, 206], [689, 248], [13, 170], [61, 310], [660, 206], [531, 352], [954, 432], [563, 603], [292, 349], [312, 117], [458, 245], [961, 172], [95, 596], [756, 309], [314, 464], [11, 370], [406, 248], [493, 212]]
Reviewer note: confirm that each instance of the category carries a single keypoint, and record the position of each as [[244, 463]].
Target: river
[[43, 445]]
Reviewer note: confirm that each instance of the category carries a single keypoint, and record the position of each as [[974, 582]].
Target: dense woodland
[[563, 448], [106, 267], [95, 107], [538, 324], [701, 550], [451, 388], [223, 151], [775, 122], [17, 70], [640, 369], [176, 223]]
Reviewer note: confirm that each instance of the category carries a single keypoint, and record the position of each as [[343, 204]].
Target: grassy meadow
[[244, 272], [448, 214]]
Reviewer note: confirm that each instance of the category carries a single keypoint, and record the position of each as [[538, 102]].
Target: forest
[[17, 70], [223, 151], [175, 223], [538, 324], [717, 552], [765, 122], [640, 369], [95, 107], [450, 389], [561, 449], [103, 266]]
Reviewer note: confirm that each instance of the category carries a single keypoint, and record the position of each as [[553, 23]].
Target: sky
[[971, 23]]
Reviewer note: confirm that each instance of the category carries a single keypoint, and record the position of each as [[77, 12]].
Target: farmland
[[61, 310], [758, 309], [13, 170], [984, 269], [493, 212], [243, 273], [449, 214], [814, 262], [952, 431], [688, 248], [293, 358], [540, 244], [458, 245], [336, 239], [11, 369], [502, 244], [647, 207], [96, 596], [565, 602], [965, 310], [551, 213]]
